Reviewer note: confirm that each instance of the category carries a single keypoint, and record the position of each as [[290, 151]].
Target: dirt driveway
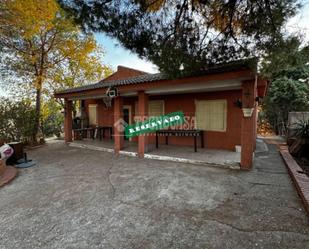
[[79, 198]]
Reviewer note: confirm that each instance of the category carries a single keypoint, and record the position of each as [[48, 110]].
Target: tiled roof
[[146, 78]]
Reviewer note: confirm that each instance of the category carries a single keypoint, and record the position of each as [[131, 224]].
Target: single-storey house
[[220, 101]]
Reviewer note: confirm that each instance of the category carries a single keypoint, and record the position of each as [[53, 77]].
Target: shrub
[[17, 120], [302, 130]]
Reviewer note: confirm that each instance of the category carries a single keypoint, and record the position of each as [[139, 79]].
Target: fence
[[295, 117]]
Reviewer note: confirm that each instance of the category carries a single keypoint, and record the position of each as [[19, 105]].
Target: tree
[[288, 69], [192, 33], [51, 118], [37, 41], [84, 68], [289, 91], [290, 53]]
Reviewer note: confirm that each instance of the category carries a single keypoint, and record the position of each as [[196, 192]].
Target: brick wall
[[123, 73], [186, 103]]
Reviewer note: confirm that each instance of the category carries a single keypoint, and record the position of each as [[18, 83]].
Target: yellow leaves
[[107, 71], [155, 5], [49, 45], [221, 17], [39, 79], [84, 65], [32, 17], [215, 13]]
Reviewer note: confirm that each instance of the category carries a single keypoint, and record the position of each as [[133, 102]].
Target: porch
[[221, 104], [184, 154]]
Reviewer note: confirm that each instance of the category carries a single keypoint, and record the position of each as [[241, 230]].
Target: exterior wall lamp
[[238, 103], [247, 112], [246, 109]]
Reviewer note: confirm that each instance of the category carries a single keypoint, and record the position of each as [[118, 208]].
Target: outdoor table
[[101, 131], [181, 133], [84, 132]]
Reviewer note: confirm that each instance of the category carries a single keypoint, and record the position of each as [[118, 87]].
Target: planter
[[7, 173], [299, 177], [2, 167]]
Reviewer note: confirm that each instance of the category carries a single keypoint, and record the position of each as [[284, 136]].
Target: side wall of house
[[186, 103]]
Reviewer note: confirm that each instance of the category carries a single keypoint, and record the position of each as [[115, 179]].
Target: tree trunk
[[37, 114]]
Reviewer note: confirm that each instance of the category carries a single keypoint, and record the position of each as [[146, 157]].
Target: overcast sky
[[116, 55]]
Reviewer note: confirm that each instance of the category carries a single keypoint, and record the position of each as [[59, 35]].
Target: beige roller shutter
[[93, 120], [211, 115], [155, 108]]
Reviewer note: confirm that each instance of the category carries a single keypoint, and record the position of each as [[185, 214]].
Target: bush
[[302, 130], [300, 147], [285, 95], [51, 119], [17, 120]]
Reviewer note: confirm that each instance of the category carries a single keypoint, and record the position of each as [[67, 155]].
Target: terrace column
[[143, 113], [118, 124], [248, 126], [68, 120]]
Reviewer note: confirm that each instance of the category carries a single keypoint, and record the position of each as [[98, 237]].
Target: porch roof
[[148, 78]]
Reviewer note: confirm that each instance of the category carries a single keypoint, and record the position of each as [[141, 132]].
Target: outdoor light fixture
[[247, 112], [238, 103]]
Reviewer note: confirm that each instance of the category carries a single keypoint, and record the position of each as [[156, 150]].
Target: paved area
[[210, 156], [88, 199]]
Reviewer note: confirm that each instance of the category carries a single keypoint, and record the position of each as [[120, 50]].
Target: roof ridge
[[119, 66], [106, 81], [130, 68]]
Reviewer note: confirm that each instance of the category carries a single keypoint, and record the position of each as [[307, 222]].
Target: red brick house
[[221, 101]]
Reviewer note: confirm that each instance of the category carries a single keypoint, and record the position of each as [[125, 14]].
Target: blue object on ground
[[22, 163]]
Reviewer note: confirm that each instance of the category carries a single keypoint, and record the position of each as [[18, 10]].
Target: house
[[221, 101]]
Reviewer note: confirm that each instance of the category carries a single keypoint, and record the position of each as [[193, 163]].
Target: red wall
[[186, 103], [124, 73]]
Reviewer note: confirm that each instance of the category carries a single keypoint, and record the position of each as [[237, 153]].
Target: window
[[155, 108], [211, 115], [93, 114]]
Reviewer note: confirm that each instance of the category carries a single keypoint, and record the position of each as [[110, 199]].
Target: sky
[[116, 55]]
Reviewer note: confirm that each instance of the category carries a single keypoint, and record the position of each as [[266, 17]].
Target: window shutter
[[211, 115], [93, 114], [155, 108]]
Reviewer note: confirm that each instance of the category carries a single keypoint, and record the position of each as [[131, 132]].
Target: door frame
[[129, 107]]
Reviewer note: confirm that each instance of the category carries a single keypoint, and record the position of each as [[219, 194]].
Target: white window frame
[[225, 112]]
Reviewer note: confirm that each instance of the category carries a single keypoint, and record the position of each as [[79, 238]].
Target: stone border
[[300, 179]]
